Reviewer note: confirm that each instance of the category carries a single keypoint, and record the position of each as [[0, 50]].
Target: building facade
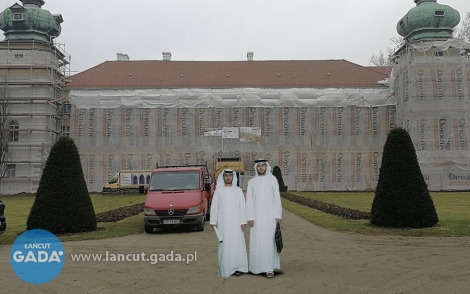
[[33, 68], [324, 123]]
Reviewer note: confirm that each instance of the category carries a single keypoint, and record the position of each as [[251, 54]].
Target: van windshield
[[172, 181]]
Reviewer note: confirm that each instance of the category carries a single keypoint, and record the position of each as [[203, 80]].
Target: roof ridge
[[227, 74]]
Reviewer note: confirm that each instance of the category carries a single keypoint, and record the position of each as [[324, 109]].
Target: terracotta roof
[[156, 74], [386, 70]]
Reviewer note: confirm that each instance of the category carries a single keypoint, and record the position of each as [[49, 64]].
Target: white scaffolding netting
[[322, 139], [433, 106]]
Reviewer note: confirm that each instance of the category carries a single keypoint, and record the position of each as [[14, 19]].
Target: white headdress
[[220, 179], [268, 167]]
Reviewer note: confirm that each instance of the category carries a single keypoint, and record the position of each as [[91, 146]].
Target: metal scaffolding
[[35, 74]]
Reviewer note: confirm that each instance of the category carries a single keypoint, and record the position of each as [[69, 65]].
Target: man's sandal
[[270, 275], [238, 274]]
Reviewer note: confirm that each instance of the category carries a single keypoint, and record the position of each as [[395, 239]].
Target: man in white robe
[[228, 215], [264, 210]]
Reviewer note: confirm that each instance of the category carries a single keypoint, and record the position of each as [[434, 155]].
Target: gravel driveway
[[314, 260]]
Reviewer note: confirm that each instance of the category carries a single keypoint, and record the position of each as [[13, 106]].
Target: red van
[[178, 196]]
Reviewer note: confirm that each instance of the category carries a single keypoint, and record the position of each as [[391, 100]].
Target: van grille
[[177, 212]]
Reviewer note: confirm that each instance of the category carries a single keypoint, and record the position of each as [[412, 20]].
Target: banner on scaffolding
[[230, 133], [213, 132], [250, 134]]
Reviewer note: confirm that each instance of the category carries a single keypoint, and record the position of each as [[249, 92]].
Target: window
[[171, 181], [66, 108], [65, 131], [438, 54], [439, 12], [14, 133], [10, 171], [18, 56], [18, 16]]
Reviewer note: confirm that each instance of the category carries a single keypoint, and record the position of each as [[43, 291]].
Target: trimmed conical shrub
[[62, 203], [401, 198], [277, 173]]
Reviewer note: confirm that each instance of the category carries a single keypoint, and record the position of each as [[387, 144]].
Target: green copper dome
[[30, 22], [428, 20]]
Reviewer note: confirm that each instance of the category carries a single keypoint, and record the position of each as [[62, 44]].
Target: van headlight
[[194, 209], [149, 211]]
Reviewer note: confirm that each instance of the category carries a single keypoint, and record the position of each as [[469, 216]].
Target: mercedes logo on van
[[171, 211]]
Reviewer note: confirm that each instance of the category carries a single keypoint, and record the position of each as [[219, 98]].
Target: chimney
[[166, 56], [249, 56], [122, 57]]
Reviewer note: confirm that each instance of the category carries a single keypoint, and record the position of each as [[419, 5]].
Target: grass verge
[[452, 209], [17, 209]]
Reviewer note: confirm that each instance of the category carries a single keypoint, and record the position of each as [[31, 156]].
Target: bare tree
[[381, 59], [385, 58], [463, 32], [5, 152]]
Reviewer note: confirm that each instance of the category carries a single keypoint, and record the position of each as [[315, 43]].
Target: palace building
[[323, 122]]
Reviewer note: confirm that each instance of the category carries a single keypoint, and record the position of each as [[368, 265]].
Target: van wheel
[[208, 217], [200, 225], [148, 229]]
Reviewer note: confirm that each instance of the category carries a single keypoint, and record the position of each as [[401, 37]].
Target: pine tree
[[277, 173], [401, 198], [62, 203]]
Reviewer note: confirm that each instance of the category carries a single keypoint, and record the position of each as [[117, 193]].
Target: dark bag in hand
[[278, 238]]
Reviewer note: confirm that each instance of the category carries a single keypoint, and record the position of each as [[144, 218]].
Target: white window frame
[[14, 134], [65, 131], [10, 171], [18, 16]]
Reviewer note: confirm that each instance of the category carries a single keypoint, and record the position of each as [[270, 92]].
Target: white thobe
[[228, 213], [263, 204]]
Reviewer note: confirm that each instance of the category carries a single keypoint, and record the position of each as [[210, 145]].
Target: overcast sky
[[95, 30]]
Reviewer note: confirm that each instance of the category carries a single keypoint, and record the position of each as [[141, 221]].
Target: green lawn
[[17, 209], [453, 209]]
